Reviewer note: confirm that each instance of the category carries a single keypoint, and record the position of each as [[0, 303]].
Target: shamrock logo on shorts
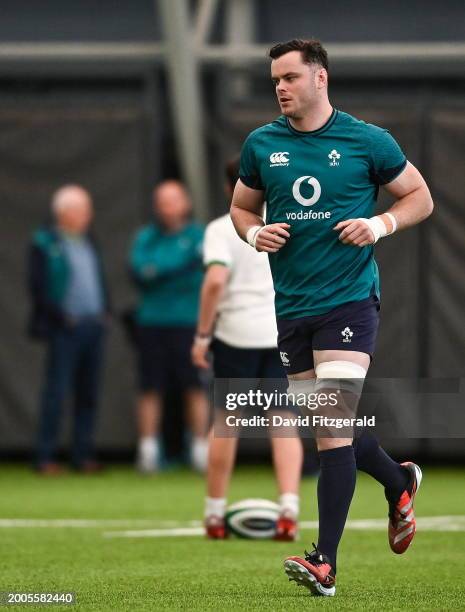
[[347, 334]]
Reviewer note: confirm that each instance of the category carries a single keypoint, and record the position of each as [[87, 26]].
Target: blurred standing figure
[[166, 264], [70, 303]]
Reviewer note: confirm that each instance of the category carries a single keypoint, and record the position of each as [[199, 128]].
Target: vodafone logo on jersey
[[313, 199], [311, 180], [279, 159]]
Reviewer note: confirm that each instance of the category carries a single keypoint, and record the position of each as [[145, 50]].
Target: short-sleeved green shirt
[[313, 180]]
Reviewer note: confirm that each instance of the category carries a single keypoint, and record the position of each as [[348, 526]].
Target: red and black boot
[[314, 572]]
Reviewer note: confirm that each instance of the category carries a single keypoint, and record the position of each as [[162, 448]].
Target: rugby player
[[237, 323], [319, 170]]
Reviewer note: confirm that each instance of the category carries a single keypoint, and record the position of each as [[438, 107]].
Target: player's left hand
[[355, 232]]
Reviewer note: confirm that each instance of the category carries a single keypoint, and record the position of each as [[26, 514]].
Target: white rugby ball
[[254, 519]]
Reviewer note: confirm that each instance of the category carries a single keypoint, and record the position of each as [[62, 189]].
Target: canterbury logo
[[279, 159]]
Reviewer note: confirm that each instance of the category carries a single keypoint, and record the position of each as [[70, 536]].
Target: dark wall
[[97, 138], [361, 20], [78, 20], [138, 20]]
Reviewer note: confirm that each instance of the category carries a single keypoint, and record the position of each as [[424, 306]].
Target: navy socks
[[373, 460], [336, 486]]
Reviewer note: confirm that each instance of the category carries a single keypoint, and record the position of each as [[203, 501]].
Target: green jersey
[[167, 268], [313, 180]]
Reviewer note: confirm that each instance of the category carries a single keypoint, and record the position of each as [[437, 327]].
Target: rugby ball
[[254, 519]]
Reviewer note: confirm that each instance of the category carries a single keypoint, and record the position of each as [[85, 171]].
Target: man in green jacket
[[166, 265]]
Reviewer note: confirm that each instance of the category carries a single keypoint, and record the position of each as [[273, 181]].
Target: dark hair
[[232, 171], [312, 51]]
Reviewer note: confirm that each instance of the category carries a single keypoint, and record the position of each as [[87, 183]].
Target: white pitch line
[[157, 533], [426, 523], [429, 523], [169, 528], [91, 523]]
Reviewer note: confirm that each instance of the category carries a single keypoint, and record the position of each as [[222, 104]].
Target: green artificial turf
[[190, 573]]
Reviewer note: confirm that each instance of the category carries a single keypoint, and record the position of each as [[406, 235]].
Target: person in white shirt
[[237, 323]]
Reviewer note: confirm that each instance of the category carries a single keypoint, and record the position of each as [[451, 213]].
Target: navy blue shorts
[[165, 358], [349, 327], [261, 365], [232, 362]]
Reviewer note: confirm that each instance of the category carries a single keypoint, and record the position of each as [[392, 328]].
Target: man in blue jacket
[[166, 265], [69, 307]]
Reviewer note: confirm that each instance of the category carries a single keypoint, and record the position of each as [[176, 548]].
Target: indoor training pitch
[[121, 541]]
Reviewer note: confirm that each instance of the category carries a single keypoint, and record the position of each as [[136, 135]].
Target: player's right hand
[[199, 353], [272, 237]]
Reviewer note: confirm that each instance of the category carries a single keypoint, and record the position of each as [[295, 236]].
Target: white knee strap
[[340, 369], [343, 375]]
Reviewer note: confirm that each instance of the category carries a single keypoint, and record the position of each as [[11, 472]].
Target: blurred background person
[[166, 265], [237, 313], [70, 304]]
